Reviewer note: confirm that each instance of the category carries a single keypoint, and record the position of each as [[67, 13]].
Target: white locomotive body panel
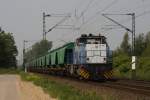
[[96, 53]]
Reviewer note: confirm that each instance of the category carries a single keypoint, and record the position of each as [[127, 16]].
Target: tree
[[38, 49], [147, 39], [8, 50], [146, 50], [122, 59], [140, 44], [125, 46]]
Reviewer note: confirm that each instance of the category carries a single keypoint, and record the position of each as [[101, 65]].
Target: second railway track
[[137, 87]]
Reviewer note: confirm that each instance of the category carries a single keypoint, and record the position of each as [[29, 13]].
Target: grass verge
[[58, 90], [9, 71]]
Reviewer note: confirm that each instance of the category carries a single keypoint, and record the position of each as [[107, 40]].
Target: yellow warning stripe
[[108, 74], [84, 74], [81, 72], [87, 76], [105, 76]]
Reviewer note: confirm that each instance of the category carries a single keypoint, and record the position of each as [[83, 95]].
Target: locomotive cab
[[92, 49], [93, 56]]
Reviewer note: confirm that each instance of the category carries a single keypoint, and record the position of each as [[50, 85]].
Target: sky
[[23, 18]]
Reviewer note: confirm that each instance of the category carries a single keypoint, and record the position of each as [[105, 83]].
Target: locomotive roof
[[92, 37]]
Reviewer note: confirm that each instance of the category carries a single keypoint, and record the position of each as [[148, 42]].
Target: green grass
[[143, 75], [9, 71], [58, 90]]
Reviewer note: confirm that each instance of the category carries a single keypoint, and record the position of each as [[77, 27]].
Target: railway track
[[139, 87], [134, 86]]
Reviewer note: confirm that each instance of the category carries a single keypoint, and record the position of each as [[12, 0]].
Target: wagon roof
[[69, 45]]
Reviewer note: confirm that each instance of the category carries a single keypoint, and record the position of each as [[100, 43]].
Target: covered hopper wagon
[[89, 57]]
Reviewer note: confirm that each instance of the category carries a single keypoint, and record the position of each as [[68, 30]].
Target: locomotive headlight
[[104, 59], [87, 59]]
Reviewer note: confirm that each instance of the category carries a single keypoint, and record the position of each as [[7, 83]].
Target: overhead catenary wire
[[85, 10], [136, 8], [104, 9], [141, 14], [99, 12], [137, 16], [58, 15], [123, 21], [91, 22], [89, 4], [82, 13]]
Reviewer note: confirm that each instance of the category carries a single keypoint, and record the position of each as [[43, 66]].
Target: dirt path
[[9, 89], [12, 88]]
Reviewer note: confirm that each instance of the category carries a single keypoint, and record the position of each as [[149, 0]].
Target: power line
[[108, 6], [124, 21], [62, 15], [84, 11], [82, 14], [134, 9], [144, 13], [80, 4], [97, 13], [86, 8], [89, 4], [146, 5], [137, 16]]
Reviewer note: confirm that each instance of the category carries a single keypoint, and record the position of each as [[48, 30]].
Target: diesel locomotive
[[89, 57]]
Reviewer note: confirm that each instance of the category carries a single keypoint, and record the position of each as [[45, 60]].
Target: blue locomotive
[[89, 57]]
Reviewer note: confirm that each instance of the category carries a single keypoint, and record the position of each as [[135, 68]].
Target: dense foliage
[[122, 57], [8, 50], [38, 49]]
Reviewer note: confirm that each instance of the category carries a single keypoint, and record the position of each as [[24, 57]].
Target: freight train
[[89, 57]]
